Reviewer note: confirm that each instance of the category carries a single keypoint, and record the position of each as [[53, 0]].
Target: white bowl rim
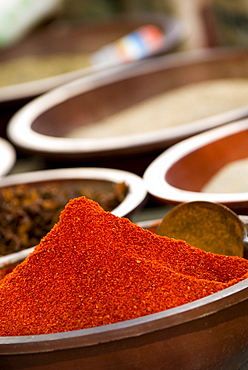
[[19, 129], [7, 156], [155, 174]]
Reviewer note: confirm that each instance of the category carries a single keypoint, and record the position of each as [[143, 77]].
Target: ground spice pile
[[94, 268]]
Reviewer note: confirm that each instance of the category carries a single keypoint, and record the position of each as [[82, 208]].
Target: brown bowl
[[209, 333], [181, 173], [42, 126]]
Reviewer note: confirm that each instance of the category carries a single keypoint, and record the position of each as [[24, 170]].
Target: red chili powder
[[94, 268]]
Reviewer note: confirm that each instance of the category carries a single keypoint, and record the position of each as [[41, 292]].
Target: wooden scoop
[[206, 225]]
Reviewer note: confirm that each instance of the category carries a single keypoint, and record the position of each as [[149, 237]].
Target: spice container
[[218, 318]]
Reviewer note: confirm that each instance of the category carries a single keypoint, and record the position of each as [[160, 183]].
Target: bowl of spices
[[211, 166], [134, 113], [30, 203], [101, 292]]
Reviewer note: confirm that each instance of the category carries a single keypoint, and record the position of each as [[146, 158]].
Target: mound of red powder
[[94, 268]]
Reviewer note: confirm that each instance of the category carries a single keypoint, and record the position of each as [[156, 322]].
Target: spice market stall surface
[[89, 103], [211, 166], [209, 333]]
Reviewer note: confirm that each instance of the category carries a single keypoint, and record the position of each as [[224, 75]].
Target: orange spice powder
[[94, 268]]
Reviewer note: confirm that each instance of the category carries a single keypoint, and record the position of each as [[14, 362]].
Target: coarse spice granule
[[94, 268]]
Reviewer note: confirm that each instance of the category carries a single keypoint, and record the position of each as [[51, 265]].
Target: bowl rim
[[155, 174], [19, 128], [200, 308], [7, 156]]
